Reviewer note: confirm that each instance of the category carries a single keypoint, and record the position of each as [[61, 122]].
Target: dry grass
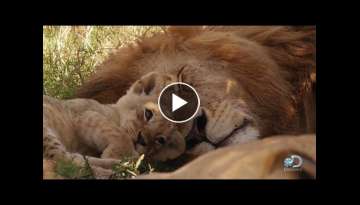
[[70, 53]]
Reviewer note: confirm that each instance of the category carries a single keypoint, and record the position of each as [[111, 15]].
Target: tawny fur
[[261, 159], [273, 68], [82, 127], [77, 127]]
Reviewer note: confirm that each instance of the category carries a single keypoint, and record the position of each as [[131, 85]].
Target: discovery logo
[[293, 163]]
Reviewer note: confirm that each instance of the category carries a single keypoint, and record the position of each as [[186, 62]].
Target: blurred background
[[70, 53]]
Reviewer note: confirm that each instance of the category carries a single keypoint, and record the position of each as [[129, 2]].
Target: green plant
[[125, 169], [70, 170]]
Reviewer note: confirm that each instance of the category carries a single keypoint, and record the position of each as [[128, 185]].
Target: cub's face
[[158, 138], [153, 135]]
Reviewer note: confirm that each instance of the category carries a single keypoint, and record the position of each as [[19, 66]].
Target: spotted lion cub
[[104, 133]]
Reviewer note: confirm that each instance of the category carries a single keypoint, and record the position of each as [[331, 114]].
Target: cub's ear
[[145, 85]]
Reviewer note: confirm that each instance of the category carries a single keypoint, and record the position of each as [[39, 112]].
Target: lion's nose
[[201, 121]]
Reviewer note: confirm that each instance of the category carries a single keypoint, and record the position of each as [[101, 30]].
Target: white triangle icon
[[177, 102]]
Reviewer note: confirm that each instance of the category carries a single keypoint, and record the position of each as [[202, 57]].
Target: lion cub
[[132, 126]]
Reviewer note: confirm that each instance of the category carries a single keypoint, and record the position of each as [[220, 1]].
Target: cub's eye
[[160, 140], [148, 114]]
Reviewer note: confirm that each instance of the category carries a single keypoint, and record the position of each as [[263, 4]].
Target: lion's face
[[225, 117]]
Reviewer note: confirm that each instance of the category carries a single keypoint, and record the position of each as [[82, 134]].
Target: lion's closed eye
[[227, 122], [242, 125]]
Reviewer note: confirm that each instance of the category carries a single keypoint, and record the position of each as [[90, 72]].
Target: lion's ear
[[145, 85]]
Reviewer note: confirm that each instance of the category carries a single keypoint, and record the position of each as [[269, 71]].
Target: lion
[[261, 159], [253, 81], [104, 133]]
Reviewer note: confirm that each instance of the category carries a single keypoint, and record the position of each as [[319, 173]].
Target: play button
[[178, 102]]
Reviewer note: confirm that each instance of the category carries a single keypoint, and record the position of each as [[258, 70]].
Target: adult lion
[[253, 81], [261, 159]]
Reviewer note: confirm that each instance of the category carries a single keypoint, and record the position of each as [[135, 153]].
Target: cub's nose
[[140, 139]]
